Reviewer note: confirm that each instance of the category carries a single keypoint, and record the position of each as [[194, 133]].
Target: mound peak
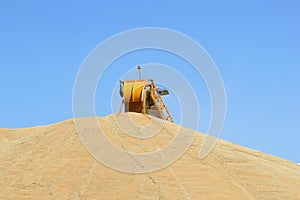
[[51, 162]]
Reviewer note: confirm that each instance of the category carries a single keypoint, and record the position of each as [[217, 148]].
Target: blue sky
[[255, 44]]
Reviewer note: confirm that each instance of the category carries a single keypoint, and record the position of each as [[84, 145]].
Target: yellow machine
[[142, 96]]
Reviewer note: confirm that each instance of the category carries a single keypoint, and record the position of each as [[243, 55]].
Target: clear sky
[[255, 44]]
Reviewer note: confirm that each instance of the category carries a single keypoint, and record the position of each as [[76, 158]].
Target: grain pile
[[50, 162]]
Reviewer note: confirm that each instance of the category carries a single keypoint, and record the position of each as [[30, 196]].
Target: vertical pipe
[[139, 68]]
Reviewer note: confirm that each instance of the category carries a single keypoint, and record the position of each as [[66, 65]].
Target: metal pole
[[139, 68]]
